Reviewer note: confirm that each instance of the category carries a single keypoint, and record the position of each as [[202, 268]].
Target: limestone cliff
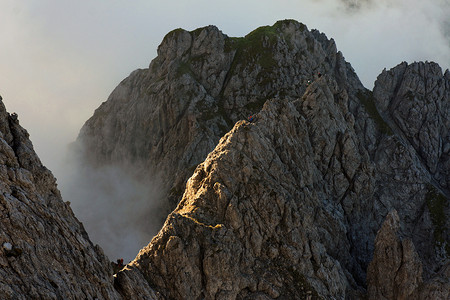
[[288, 206], [331, 191], [167, 118], [414, 100], [396, 269], [45, 252]]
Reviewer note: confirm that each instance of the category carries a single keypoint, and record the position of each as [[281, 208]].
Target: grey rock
[[46, 253], [395, 271], [415, 100], [245, 224], [167, 118], [292, 201], [288, 206]]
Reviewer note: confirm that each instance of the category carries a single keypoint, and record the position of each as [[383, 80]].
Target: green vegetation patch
[[257, 47], [281, 23], [368, 101], [173, 34], [437, 203], [254, 48]]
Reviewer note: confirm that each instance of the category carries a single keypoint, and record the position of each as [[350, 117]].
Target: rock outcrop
[[330, 191], [248, 223], [395, 271], [167, 118], [45, 252], [291, 203], [298, 194], [414, 100]]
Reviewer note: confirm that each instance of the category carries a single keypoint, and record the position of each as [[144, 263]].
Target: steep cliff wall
[[167, 118], [332, 191], [290, 204], [45, 252], [414, 100], [293, 200]]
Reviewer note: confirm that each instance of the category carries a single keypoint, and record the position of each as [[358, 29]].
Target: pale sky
[[60, 59]]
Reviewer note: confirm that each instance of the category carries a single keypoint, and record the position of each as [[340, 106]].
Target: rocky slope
[[331, 192], [45, 252], [414, 99], [300, 193], [396, 269], [167, 118], [288, 206]]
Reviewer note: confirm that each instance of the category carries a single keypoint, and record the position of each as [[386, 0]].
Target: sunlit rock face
[[329, 191], [291, 202], [300, 191], [167, 118]]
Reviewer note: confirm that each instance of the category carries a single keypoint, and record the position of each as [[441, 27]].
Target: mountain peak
[[281, 176]]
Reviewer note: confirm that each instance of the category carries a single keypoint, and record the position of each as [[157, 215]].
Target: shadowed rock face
[[395, 271], [414, 98], [44, 251], [331, 192], [167, 118], [292, 202]]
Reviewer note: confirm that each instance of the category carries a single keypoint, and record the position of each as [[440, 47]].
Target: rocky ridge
[[167, 118], [45, 252], [291, 203], [414, 98], [331, 191]]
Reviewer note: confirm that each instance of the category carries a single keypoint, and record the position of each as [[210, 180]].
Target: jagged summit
[[360, 167], [330, 191], [200, 84], [414, 98], [292, 201]]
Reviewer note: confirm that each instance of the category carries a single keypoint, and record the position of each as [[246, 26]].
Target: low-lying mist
[[119, 211]]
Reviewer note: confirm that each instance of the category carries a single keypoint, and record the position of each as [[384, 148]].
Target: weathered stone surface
[[287, 206], [45, 252], [438, 286], [247, 223], [292, 201], [415, 100], [395, 271], [304, 158], [167, 118]]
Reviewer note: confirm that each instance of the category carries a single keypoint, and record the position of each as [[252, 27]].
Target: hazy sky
[[60, 59]]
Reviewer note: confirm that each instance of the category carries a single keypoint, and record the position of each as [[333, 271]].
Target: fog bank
[[119, 211]]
